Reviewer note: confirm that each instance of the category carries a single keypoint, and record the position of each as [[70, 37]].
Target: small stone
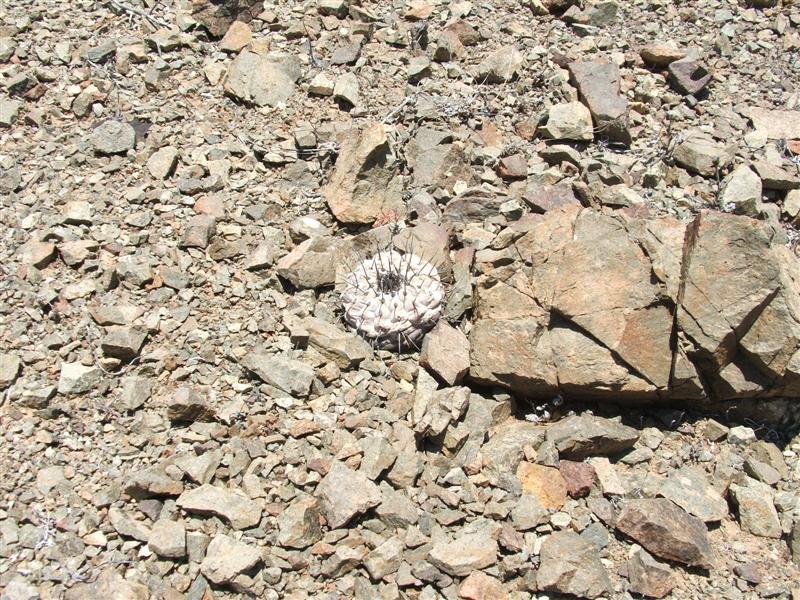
[[584, 435], [688, 76], [113, 137], [226, 558], [741, 435], [757, 513], [125, 526], [528, 513], [578, 477], [346, 90], [569, 564], [261, 80], [200, 469], [188, 406], [467, 553], [345, 493], [385, 559], [299, 523], [480, 586], [123, 342], [607, 476], [346, 55], [513, 167], [649, 577], [345, 348], [688, 488], [500, 66], [10, 365], [546, 483], [336, 8], [135, 392], [234, 506], [700, 154], [9, 111], [291, 376], [320, 85], [162, 162], [198, 231], [661, 55], [741, 192], [168, 539], [37, 254], [236, 38], [774, 177], [76, 378], [419, 67], [569, 121], [794, 542], [445, 352], [667, 531]]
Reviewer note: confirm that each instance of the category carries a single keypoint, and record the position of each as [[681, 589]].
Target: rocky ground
[[183, 413]]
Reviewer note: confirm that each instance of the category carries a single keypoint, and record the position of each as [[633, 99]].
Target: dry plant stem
[[139, 12]]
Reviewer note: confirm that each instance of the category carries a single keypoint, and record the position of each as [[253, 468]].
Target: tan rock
[[546, 483], [445, 351], [236, 38], [364, 184]]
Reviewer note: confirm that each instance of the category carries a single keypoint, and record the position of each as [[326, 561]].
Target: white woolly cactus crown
[[392, 299]]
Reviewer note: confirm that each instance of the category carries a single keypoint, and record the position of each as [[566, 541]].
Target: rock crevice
[[612, 304]]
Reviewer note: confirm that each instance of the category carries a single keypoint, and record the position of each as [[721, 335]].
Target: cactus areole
[[392, 300]]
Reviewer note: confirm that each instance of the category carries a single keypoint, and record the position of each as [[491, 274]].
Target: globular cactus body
[[393, 299]]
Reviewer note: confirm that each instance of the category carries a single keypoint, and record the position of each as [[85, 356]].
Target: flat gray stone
[[467, 553], [688, 487], [580, 436], [289, 375], [233, 506], [113, 137], [570, 564]]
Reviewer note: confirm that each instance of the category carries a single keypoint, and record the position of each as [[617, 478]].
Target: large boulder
[[604, 304]]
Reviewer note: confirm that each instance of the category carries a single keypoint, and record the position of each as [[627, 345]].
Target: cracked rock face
[[707, 310]]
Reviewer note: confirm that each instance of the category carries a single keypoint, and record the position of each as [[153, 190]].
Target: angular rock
[[649, 577], [568, 564], [757, 513], [199, 231], [741, 192], [580, 436], [688, 76], [500, 66], [701, 154], [236, 38], [346, 349], [528, 512], [506, 447], [123, 343], [364, 184], [445, 352], [188, 406], [262, 80], [667, 531], [291, 376], [776, 124], [168, 539], [569, 121], [598, 84], [233, 506], [661, 55], [344, 494], [346, 91], [299, 523], [109, 584], [578, 477], [162, 162], [311, 264], [688, 488], [546, 483], [479, 586], [385, 559], [226, 558], [37, 254], [124, 525], [9, 368], [467, 553], [76, 378]]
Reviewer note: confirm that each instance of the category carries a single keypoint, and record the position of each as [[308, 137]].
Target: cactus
[[392, 299]]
